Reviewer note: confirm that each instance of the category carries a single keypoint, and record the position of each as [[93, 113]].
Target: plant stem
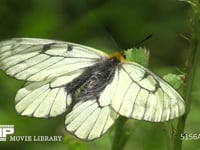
[[119, 139], [192, 66], [122, 133]]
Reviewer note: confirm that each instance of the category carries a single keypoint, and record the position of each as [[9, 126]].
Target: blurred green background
[[109, 25]]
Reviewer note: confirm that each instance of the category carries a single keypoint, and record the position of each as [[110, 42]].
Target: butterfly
[[90, 86]]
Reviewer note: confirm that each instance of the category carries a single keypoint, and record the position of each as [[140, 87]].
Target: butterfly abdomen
[[92, 81]]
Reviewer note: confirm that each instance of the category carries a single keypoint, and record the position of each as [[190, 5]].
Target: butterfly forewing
[[38, 60], [140, 94]]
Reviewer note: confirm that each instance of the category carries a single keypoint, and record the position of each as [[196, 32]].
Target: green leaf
[[138, 55], [177, 81]]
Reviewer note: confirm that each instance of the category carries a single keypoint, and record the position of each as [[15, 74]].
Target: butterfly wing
[[39, 59], [48, 66], [44, 99], [90, 119], [142, 95]]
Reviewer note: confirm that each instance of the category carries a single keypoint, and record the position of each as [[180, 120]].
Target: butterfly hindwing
[[44, 99], [90, 119]]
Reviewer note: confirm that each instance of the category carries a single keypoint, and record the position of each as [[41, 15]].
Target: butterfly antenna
[[142, 41]]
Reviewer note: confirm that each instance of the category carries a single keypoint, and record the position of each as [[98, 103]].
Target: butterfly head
[[120, 56]]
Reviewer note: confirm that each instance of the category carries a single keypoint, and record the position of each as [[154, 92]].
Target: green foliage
[[101, 24], [74, 144], [138, 55], [177, 81]]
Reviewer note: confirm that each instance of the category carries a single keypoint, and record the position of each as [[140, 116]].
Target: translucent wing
[[38, 59], [88, 121], [48, 66], [44, 99], [142, 95]]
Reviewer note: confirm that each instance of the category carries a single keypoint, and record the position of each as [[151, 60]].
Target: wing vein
[[53, 101]]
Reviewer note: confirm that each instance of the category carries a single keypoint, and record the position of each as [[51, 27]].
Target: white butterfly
[[93, 87]]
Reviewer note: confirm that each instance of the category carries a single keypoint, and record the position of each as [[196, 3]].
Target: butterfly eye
[[123, 54]]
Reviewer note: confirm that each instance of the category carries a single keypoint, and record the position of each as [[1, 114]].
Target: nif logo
[[5, 130]]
